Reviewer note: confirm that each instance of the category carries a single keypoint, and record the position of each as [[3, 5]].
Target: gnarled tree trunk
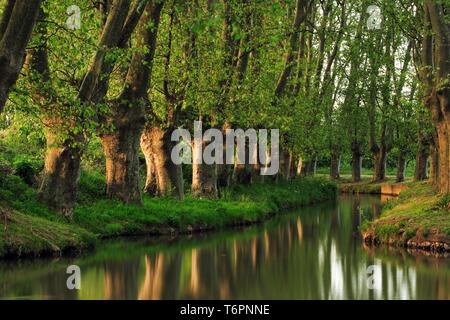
[[164, 177], [204, 176], [61, 173], [121, 146], [63, 158], [121, 149]]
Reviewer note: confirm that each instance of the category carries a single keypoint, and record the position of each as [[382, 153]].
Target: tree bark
[[285, 165], [356, 162], [379, 163], [420, 171], [242, 171], [300, 167], [434, 165], [61, 174], [121, 146], [67, 154], [401, 166], [300, 16], [335, 166], [62, 160], [310, 167], [436, 63], [224, 171], [204, 176], [292, 166], [121, 149], [151, 181], [164, 178], [16, 26]]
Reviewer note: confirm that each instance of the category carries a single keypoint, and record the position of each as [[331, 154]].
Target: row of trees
[[333, 83]]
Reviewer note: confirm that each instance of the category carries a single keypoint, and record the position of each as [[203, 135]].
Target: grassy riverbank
[[418, 219], [27, 228]]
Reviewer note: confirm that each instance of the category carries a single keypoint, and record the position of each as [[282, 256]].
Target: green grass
[[27, 235], [418, 213], [98, 217], [241, 205]]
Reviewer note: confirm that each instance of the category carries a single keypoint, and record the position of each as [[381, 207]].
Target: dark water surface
[[311, 253]]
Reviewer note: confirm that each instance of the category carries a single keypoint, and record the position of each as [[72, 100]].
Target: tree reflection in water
[[313, 253]]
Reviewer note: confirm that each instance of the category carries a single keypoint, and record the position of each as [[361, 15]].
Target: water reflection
[[315, 253]]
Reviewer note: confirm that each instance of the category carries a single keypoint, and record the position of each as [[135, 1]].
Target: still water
[[311, 253]]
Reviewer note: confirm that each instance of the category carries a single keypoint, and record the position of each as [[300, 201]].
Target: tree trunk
[[127, 115], [436, 66], [256, 176], [444, 155], [434, 165], [420, 171], [310, 167], [204, 176], [299, 167], [61, 174], [242, 171], [151, 184], [18, 20], [121, 150], [401, 166], [356, 162], [335, 166], [292, 167], [165, 178], [379, 163], [285, 165]]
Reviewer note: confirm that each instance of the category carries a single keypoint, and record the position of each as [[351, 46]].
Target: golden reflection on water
[[313, 254]]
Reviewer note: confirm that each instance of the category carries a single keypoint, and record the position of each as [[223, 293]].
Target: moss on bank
[[30, 229], [419, 219]]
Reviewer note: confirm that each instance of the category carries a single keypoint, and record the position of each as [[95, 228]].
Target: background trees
[[342, 91]]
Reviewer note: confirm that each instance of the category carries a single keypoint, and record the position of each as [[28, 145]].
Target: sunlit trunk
[[121, 150], [164, 177], [150, 187], [434, 165], [61, 174], [242, 171], [204, 176], [444, 157], [299, 167]]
